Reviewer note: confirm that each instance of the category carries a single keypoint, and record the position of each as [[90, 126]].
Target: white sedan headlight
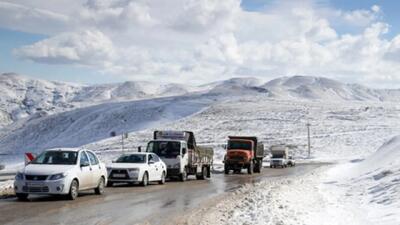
[[58, 176], [19, 176]]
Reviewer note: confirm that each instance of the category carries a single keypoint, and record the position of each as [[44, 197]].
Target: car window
[[84, 158], [93, 158], [155, 158]]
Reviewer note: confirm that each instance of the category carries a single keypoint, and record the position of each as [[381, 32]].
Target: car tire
[[73, 190], [99, 190], [22, 196], [162, 181], [145, 179]]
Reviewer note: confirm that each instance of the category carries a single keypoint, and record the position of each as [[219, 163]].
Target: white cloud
[[89, 47], [28, 19], [205, 40], [362, 17]]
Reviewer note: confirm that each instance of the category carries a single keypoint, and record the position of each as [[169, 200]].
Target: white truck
[[180, 153], [279, 156]]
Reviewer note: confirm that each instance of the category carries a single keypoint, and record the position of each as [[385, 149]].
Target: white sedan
[[137, 168], [64, 171]]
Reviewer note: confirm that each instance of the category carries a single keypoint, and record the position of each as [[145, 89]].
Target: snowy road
[[156, 204]]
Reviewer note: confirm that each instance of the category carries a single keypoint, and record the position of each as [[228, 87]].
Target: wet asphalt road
[[133, 204]]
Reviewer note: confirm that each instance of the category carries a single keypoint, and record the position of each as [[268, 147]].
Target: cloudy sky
[[199, 41]]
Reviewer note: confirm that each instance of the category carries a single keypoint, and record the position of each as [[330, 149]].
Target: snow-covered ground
[[349, 123], [362, 192]]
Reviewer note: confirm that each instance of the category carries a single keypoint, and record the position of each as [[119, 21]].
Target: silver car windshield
[[133, 158]]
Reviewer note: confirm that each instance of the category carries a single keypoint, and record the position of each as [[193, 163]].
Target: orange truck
[[243, 152]]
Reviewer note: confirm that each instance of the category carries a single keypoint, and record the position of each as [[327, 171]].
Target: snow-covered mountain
[[39, 114], [305, 87], [23, 97]]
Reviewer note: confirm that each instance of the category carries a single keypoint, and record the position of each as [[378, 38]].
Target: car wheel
[[73, 190], [162, 181], [100, 187], [145, 180], [22, 196]]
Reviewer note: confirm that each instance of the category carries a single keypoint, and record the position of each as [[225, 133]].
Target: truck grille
[[43, 189], [36, 177]]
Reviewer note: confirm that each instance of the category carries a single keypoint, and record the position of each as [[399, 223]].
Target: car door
[[85, 171], [152, 167], [159, 167], [96, 168]]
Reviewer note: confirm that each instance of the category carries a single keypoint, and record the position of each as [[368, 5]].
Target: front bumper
[[47, 187], [122, 176], [171, 172]]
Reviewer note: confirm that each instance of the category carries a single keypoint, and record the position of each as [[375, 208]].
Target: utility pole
[[122, 138], [309, 139]]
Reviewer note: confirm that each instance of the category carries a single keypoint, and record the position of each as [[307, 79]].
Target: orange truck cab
[[243, 153]]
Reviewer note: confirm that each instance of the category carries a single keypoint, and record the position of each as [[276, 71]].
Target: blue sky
[[216, 44]]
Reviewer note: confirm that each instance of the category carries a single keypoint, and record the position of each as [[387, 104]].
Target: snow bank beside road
[[374, 184], [283, 201]]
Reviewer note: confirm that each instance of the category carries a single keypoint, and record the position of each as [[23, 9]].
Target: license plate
[[34, 184], [119, 175]]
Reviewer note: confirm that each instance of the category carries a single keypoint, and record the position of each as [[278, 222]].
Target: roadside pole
[[122, 141], [309, 139]]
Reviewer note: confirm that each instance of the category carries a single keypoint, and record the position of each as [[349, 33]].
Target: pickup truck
[[183, 157]]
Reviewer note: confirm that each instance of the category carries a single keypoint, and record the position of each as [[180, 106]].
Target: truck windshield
[[56, 158], [132, 158], [234, 145], [167, 149]]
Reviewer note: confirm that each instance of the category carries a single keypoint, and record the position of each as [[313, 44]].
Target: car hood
[[36, 169], [126, 165]]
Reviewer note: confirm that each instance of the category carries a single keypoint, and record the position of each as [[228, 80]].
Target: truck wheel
[[183, 176], [250, 169], [203, 174], [22, 196], [257, 167], [208, 172], [110, 184], [99, 190], [226, 169]]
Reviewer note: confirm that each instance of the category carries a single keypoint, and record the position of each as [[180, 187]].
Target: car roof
[[172, 140], [64, 149]]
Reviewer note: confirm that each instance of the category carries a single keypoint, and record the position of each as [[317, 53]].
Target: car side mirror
[[183, 151], [151, 162], [84, 164]]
